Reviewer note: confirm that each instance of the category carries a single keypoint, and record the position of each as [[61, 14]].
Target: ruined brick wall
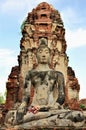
[[72, 90], [12, 87]]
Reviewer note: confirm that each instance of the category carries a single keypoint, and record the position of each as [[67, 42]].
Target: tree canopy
[[2, 99]]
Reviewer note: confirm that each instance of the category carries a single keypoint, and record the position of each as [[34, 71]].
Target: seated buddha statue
[[49, 93]]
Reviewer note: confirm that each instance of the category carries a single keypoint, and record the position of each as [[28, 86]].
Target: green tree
[[2, 100], [22, 26]]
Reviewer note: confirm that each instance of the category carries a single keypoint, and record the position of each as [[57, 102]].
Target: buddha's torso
[[44, 83]]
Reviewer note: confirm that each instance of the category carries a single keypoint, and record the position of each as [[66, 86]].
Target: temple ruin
[[43, 25]]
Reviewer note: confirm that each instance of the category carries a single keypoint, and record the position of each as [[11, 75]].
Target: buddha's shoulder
[[50, 71]]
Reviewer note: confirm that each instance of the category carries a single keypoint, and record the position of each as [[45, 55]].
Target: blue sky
[[73, 13]]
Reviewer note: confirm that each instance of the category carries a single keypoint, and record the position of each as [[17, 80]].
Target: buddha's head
[[43, 54]]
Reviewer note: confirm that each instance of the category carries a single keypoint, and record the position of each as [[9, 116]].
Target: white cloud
[[15, 6], [71, 17], [11, 5], [8, 59], [82, 93], [75, 35], [3, 84], [82, 81], [76, 38], [68, 15]]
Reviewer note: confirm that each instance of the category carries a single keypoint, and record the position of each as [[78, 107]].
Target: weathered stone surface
[[59, 120], [43, 26]]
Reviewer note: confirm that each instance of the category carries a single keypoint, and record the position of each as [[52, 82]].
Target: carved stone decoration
[[43, 86]]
